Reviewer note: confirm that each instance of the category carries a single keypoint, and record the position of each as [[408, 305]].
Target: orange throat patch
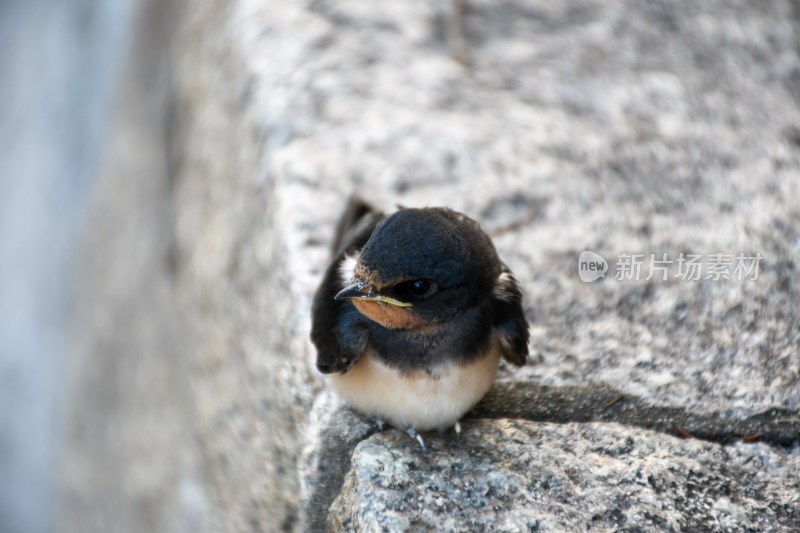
[[388, 315]]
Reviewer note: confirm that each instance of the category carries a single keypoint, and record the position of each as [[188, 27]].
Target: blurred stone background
[[171, 177], [59, 66]]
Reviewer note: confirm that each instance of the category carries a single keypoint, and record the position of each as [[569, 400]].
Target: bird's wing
[[509, 318], [338, 330]]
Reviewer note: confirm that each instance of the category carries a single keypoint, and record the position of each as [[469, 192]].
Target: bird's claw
[[380, 423], [416, 436], [457, 428]]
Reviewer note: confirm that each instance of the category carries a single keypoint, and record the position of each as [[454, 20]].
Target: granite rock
[[616, 127], [571, 126], [515, 475]]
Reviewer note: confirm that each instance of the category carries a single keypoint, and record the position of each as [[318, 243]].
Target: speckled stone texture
[[517, 475], [579, 125]]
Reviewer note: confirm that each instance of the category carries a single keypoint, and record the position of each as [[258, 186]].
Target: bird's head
[[421, 267]]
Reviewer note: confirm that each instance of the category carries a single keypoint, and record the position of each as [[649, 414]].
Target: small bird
[[413, 315]]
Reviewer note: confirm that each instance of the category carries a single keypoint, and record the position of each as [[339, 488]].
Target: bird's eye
[[419, 287]]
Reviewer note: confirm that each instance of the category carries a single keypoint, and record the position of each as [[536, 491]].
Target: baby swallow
[[413, 315]]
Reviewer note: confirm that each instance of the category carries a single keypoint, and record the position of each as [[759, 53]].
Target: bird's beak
[[361, 290]]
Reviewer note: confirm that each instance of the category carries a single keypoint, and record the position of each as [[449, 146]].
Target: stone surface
[[329, 443], [615, 127], [57, 76], [569, 126], [516, 475], [129, 463]]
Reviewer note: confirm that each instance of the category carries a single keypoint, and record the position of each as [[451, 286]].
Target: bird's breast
[[422, 400]]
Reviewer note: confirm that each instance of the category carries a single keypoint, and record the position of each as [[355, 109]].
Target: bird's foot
[[416, 436], [457, 427], [380, 423]]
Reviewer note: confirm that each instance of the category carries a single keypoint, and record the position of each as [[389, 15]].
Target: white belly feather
[[418, 400]]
